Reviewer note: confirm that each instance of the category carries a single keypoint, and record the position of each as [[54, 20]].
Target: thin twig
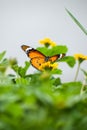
[[77, 71]]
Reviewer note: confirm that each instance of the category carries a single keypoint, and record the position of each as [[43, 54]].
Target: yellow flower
[[47, 42], [48, 66], [80, 57]]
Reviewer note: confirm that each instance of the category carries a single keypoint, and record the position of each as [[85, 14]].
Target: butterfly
[[37, 58]]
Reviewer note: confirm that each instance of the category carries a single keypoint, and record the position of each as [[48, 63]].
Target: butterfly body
[[37, 58]]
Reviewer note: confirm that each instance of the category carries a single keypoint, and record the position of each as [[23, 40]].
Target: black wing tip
[[23, 45]]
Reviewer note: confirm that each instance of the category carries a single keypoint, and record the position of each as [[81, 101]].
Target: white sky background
[[27, 21]]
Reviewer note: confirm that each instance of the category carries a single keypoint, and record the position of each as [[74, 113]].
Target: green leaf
[[4, 65], [56, 71], [77, 22], [70, 60], [2, 55], [70, 89], [57, 81], [53, 51], [21, 70]]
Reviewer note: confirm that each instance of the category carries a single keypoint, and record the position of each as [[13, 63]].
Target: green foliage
[[3, 62], [21, 71], [56, 71], [54, 50], [2, 55], [70, 60], [40, 100]]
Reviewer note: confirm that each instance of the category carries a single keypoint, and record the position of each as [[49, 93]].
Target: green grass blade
[[77, 22], [2, 55]]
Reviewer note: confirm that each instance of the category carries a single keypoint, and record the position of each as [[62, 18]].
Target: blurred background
[[27, 21]]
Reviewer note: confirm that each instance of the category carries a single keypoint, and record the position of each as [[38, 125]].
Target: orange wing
[[31, 52], [37, 61], [55, 57], [35, 53]]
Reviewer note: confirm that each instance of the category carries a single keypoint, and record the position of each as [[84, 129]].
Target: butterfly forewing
[[34, 53], [31, 52], [24, 47], [63, 55], [54, 58]]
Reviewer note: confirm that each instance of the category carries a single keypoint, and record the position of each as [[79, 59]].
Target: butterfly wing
[[31, 52], [36, 57], [35, 53], [37, 61], [55, 57], [25, 47]]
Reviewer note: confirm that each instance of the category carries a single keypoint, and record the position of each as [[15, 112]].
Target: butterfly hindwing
[[37, 61]]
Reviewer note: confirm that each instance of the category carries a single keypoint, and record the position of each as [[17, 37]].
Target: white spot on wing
[[60, 56], [28, 49]]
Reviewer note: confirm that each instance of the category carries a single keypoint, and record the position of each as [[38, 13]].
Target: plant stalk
[[77, 71], [83, 85]]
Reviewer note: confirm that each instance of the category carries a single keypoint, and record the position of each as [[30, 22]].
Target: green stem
[[83, 85], [77, 71]]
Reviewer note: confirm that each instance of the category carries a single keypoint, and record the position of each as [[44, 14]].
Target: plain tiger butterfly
[[37, 58]]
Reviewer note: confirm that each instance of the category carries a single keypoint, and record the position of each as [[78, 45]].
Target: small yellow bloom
[[54, 66], [47, 42], [80, 56], [48, 66]]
